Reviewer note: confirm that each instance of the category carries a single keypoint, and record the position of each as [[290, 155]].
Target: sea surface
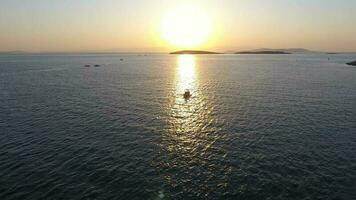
[[255, 127]]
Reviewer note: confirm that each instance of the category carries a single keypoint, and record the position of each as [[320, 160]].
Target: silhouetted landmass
[[194, 52], [289, 50], [352, 63], [13, 52], [262, 52], [280, 51]]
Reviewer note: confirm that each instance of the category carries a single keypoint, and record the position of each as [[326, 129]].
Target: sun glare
[[186, 27], [186, 73]]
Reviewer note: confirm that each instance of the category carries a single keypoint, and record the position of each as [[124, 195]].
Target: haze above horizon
[[152, 25]]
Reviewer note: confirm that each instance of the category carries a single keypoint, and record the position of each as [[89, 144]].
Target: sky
[[129, 25]]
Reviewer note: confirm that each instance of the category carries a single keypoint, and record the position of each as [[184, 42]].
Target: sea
[[255, 126]]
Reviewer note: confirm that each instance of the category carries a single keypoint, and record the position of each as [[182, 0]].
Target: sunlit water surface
[[255, 127]]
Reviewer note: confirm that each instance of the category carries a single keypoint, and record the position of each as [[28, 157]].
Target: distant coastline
[[267, 51], [194, 52], [262, 52], [13, 52], [283, 51], [252, 51]]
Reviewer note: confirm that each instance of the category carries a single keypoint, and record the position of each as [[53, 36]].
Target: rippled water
[[256, 127]]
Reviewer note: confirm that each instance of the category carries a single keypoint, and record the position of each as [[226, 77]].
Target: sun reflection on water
[[190, 145], [186, 73], [191, 133], [186, 79]]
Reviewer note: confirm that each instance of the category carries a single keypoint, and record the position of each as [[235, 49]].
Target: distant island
[[13, 52], [194, 52], [352, 63], [278, 51], [290, 50], [262, 52]]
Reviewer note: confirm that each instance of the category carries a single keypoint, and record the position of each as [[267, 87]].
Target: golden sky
[[153, 25]]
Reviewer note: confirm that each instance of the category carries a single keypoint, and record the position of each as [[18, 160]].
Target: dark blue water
[[256, 127]]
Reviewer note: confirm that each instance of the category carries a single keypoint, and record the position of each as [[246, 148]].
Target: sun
[[186, 27]]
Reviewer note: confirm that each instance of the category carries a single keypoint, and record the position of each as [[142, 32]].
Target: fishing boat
[[187, 94]]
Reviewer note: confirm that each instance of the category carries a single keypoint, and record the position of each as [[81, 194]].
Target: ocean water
[[256, 127]]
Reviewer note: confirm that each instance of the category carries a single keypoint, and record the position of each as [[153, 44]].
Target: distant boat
[[86, 65], [187, 94], [97, 65], [121, 59], [352, 63]]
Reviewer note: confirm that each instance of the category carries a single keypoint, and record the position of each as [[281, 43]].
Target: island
[[278, 51], [262, 52], [352, 63], [194, 52], [13, 52]]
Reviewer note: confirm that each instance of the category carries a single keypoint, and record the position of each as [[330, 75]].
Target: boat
[[187, 94], [352, 63], [86, 65], [96, 65]]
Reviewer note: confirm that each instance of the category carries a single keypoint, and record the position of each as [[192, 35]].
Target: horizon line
[[160, 52]]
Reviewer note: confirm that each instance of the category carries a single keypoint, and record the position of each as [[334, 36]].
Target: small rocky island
[[352, 63], [194, 52], [262, 52]]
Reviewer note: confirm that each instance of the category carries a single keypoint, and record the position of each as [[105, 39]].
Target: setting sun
[[186, 27]]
